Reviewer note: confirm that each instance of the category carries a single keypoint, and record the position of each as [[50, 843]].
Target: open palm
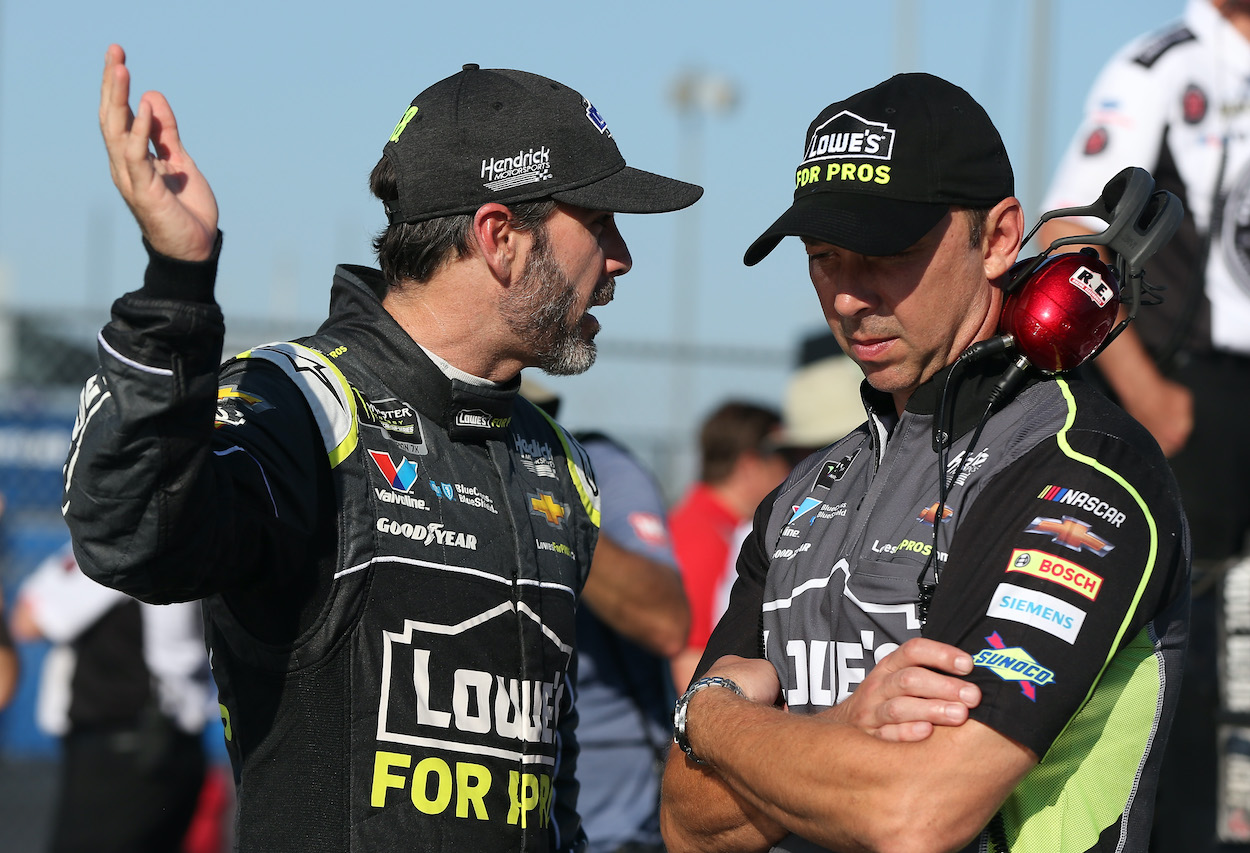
[[170, 199]]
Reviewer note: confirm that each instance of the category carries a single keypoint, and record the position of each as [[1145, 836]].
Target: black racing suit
[[389, 561], [1065, 576]]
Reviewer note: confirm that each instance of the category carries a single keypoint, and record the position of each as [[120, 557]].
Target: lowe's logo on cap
[[848, 135]]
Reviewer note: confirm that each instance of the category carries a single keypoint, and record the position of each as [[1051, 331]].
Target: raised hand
[[169, 198]]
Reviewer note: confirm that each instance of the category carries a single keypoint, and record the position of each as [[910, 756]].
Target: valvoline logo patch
[[401, 476]]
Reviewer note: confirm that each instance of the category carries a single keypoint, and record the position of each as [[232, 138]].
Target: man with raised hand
[[389, 543]]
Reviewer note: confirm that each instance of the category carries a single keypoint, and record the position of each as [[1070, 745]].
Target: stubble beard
[[542, 311]]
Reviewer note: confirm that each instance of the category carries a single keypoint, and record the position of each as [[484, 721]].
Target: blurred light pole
[[696, 94], [1038, 116]]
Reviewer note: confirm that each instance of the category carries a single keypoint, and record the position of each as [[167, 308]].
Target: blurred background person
[[739, 464], [820, 406], [9, 669], [126, 687], [635, 619], [1175, 102], [821, 402]]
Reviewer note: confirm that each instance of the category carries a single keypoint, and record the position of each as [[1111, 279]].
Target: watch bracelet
[[680, 709]]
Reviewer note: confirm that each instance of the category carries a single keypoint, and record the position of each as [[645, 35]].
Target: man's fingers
[[929, 653], [134, 151], [909, 709], [163, 129], [115, 114], [925, 683], [905, 732]]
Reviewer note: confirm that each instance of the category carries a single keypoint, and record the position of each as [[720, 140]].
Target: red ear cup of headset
[[1061, 312]]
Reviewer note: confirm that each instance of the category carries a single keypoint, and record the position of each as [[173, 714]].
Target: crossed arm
[[898, 766], [638, 597]]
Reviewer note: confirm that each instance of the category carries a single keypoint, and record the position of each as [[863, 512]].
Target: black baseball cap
[[882, 167], [486, 135]]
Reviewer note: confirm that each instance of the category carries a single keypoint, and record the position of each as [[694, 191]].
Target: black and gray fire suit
[[389, 561], [1065, 574]]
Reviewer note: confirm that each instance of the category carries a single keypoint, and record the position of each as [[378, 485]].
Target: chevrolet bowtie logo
[[929, 515], [545, 505], [1070, 533]]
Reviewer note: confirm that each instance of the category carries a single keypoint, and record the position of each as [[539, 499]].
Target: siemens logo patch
[[1037, 610]]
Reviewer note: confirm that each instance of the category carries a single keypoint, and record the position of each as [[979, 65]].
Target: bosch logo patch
[[1048, 567]]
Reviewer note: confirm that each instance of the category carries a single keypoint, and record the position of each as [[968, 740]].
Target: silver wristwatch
[[679, 711]]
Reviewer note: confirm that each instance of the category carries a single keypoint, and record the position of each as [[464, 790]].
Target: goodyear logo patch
[[1014, 664], [1066, 573]]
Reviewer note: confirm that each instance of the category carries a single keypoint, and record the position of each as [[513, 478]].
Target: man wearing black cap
[[1051, 567], [388, 541]]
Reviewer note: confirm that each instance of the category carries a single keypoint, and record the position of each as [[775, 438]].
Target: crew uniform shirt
[[389, 557], [1065, 575], [1171, 101], [112, 657]]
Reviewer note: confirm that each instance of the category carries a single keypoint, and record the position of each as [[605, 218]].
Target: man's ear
[[498, 240], [1004, 232]]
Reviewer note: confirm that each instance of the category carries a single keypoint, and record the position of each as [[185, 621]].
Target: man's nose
[[616, 252]]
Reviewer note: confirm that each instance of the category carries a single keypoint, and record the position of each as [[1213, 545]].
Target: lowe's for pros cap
[[882, 167], [486, 135]]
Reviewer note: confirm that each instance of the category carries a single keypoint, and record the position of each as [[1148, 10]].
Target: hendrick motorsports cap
[[882, 167], [509, 136]]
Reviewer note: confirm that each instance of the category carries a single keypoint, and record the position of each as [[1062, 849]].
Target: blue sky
[[286, 106]]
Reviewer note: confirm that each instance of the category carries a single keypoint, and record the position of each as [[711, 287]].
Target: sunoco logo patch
[[1014, 664]]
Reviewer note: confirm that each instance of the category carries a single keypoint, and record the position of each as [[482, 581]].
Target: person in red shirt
[[740, 463]]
